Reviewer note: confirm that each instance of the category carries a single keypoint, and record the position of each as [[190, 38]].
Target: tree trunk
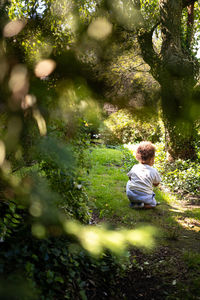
[[179, 126], [176, 71], [177, 83]]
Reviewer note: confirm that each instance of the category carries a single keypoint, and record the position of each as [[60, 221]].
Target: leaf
[[174, 282], [59, 279], [83, 295]]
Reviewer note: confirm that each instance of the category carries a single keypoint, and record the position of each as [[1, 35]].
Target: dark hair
[[145, 152]]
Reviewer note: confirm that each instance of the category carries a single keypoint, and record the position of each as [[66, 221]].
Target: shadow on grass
[[173, 265], [106, 190]]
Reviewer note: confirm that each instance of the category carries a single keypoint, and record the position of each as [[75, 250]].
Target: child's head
[[145, 153]]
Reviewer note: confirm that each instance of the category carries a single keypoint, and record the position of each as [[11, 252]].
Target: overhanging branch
[[148, 53]]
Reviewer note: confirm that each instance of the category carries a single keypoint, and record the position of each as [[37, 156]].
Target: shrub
[[128, 160], [181, 176], [122, 127], [54, 268]]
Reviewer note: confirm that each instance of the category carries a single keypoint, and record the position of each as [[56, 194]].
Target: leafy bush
[[122, 127], [53, 268], [128, 160], [181, 176]]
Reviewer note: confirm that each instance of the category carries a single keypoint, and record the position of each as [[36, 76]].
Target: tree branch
[[148, 53]]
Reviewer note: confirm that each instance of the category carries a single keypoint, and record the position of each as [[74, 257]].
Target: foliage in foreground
[[53, 268]]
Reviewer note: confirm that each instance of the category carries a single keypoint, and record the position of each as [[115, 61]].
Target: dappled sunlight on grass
[[106, 189], [164, 196], [189, 223], [195, 213]]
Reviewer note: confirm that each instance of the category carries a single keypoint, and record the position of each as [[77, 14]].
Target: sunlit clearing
[[13, 28], [40, 122], [18, 82], [2, 152], [38, 231], [100, 29], [28, 101], [44, 68], [36, 209], [96, 239]]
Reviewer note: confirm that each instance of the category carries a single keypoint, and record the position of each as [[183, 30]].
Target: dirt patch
[[162, 273]]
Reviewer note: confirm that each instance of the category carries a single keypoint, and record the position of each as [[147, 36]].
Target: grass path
[[176, 258]]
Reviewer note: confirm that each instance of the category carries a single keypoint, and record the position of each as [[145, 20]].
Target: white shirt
[[142, 178]]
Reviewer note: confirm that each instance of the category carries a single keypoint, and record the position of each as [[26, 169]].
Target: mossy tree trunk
[[180, 131], [176, 70]]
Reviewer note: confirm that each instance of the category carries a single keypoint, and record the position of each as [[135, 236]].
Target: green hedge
[[123, 127]]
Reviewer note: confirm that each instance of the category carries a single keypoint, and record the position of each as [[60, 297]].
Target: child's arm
[[129, 175], [157, 178]]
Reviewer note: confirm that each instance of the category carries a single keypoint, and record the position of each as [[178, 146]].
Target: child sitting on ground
[[142, 178]]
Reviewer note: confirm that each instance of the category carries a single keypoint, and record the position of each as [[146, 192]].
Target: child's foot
[[148, 206], [136, 205]]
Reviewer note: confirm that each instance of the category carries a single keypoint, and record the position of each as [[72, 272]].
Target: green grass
[[106, 184], [106, 188], [106, 156], [195, 213]]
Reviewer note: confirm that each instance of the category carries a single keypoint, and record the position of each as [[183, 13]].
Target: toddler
[[142, 178]]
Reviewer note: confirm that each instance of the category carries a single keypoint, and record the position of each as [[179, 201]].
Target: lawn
[[177, 221]]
